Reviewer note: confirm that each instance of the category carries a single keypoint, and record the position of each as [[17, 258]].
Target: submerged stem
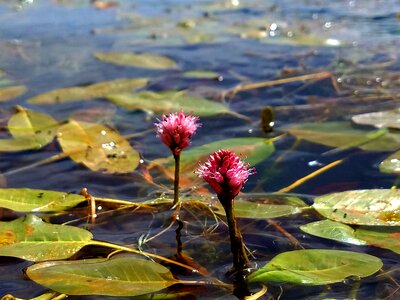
[[240, 259], [176, 179]]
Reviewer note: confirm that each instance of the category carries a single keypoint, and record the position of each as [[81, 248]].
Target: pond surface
[[349, 49]]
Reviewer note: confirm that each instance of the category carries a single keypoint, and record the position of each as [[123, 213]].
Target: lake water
[[47, 45]]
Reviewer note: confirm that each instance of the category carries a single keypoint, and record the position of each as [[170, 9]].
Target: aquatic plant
[[175, 131], [226, 174]]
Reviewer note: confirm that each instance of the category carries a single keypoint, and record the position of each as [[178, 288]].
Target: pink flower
[[176, 130], [225, 173]]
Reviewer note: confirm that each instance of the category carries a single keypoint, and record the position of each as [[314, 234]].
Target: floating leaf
[[97, 90], [382, 237], [11, 145], [381, 119], [200, 74], [316, 267], [341, 134], [118, 276], [391, 164], [11, 92], [267, 206], [31, 239], [169, 101], [332, 230], [141, 60], [32, 200], [97, 147], [378, 207], [253, 149]]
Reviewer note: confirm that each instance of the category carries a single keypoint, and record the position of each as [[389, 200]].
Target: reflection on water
[[46, 45]]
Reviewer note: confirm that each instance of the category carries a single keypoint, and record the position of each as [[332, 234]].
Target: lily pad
[[33, 200], [341, 134], [316, 267], [382, 237], [31, 239], [379, 207], [380, 119], [118, 276], [264, 206], [169, 101], [97, 90], [98, 147], [141, 60], [11, 92]]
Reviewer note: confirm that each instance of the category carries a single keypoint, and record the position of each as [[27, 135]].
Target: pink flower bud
[[176, 130], [225, 173]]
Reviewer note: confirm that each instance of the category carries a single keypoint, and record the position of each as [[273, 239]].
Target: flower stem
[[240, 259], [176, 180]]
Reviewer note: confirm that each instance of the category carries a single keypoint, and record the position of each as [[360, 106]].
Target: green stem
[[240, 259], [176, 180]]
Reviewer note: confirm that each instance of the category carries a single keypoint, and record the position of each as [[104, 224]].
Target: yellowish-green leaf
[[316, 267], [169, 101], [200, 74], [32, 125], [32, 239], [117, 276], [33, 200], [97, 90], [98, 147], [11, 92], [141, 60], [380, 207]]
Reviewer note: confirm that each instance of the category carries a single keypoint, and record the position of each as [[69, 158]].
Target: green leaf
[[32, 125], [11, 92], [380, 119], [31, 239], [264, 206], [169, 101], [333, 230], [316, 267], [98, 147], [118, 276], [200, 74], [382, 237], [378, 207], [97, 90], [141, 60], [391, 164], [254, 150], [341, 134], [32, 200]]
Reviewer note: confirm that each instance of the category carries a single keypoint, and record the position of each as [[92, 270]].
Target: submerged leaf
[[97, 90], [391, 164], [98, 147], [32, 200], [200, 74], [118, 276], [11, 92], [253, 149], [32, 125], [382, 237], [332, 230], [169, 101], [264, 206], [31, 239], [141, 60], [378, 207], [341, 134], [316, 267], [380, 119]]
